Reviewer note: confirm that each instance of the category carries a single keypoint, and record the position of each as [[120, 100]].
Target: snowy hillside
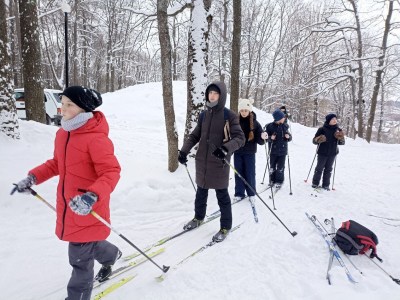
[[257, 261]]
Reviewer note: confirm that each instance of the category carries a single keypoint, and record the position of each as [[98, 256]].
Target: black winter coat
[[280, 144], [250, 147], [330, 147], [211, 172]]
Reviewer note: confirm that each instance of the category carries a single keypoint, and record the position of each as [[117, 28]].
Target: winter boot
[[106, 270], [278, 186], [192, 224], [314, 186], [326, 188], [220, 235]]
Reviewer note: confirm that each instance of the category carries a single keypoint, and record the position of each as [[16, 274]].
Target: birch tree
[[8, 113], [197, 79]]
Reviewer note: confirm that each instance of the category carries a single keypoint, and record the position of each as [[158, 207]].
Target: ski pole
[[334, 171], [267, 153], [394, 279], [190, 177], [294, 233], [93, 213], [312, 163], [37, 196], [290, 179]]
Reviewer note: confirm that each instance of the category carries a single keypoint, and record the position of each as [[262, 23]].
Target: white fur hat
[[245, 104]]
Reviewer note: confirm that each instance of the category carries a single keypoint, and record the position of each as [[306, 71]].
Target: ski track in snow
[[257, 261]]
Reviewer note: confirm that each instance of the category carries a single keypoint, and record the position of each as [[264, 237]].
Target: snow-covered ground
[[258, 261]]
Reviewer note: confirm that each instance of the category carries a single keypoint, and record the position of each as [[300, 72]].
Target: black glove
[[24, 185], [220, 153], [182, 158]]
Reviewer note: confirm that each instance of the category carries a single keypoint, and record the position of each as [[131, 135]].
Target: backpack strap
[[227, 131], [346, 225], [350, 239], [368, 244]]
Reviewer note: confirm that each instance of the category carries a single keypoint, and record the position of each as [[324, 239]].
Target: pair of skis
[[332, 248]]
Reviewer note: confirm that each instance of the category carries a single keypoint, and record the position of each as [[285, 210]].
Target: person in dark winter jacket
[[88, 172], [245, 157], [218, 134], [327, 137], [285, 112], [278, 138]]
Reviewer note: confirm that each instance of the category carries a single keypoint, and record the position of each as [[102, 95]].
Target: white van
[[52, 104]]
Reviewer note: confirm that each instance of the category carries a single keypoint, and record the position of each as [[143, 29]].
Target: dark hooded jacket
[[330, 147], [211, 172], [279, 146]]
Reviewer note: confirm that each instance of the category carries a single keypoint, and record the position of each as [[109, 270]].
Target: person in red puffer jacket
[[88, 172]]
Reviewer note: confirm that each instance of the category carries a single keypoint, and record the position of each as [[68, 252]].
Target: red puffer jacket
[[85, 161]]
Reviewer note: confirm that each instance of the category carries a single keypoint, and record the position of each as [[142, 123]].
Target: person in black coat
[[245, 157], [278, 138], [327, 137], [285, 112]]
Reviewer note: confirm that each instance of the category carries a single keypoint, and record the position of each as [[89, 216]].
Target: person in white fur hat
[[245, 157]]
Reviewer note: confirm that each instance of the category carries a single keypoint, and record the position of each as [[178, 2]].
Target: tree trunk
[[31, 61], [360, 96], [8, 113], [236, 41], [379, 71], [169, 113], [381, 114], [197, 61], [17, 61], [224, 41], [75, 79]]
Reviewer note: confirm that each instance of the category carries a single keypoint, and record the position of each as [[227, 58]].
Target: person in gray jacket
[[218, 134]]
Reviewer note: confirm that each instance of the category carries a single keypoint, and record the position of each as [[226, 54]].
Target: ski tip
[[294, 233]]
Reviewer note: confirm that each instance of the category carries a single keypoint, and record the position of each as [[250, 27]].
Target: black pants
[[224, 202], [81, 258], [324, 165], [277, 168]]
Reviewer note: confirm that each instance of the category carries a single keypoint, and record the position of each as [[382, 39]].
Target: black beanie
[[213, 88], [329, 117], [85, 98]]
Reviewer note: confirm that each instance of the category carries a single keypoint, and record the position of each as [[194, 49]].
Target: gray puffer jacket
[[211, 172]]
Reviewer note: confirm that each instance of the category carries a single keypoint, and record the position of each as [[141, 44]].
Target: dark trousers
[[277, 168], [324, 164], [245, 165], [224, 202], [81, 258]]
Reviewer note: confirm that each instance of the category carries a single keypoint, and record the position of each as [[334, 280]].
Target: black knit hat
[[213, 88], [329, 117], [85, 98]]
